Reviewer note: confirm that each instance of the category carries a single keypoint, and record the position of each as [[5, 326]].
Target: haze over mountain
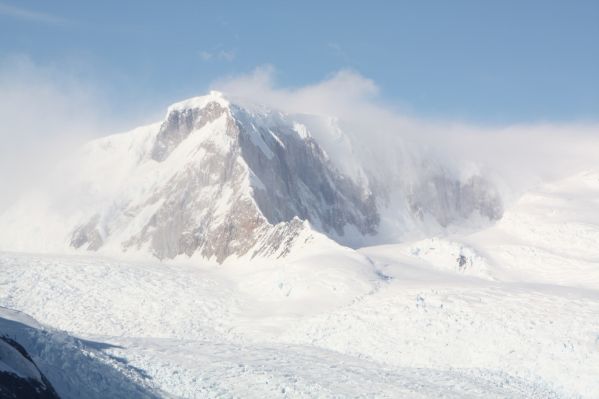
[[220, 177]]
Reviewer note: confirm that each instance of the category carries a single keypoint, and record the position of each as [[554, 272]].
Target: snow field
[[511, 311]]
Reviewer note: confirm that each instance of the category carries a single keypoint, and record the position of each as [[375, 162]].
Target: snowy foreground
[[511, 311]]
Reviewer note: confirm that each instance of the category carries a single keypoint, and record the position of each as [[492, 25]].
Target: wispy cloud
[[46, 112], [338, 51], [520, 154], [222, 55], [32, 16]]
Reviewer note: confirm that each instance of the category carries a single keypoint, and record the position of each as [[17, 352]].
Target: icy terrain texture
[[506, 312]]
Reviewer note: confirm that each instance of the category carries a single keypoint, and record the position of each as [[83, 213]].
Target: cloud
[[46, 113], [222, 55], [338, 51], [520, 155], [32, 16], [332, 96]]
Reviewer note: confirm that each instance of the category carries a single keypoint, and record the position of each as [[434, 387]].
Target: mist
[[520, 155], [47, 113]]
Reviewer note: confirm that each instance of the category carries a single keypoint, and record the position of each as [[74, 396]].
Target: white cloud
[[333, 96], [45, 114], [28, 15], [338, 51], [521, 154], [206, 56], [221, 55]]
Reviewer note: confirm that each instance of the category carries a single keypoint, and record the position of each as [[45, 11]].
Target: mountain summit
[[217, 179]]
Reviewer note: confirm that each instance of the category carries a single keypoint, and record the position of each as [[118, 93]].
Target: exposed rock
[[88, 235], [449, 200], [20, 376], [178, 125]]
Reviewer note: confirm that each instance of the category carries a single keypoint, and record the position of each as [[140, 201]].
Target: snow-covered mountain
[[220, 178]]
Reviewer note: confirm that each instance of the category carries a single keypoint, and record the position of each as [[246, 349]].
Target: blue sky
[[482, 61]]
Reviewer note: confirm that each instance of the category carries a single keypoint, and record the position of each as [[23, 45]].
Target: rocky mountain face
[[240, 176], [218, 179]]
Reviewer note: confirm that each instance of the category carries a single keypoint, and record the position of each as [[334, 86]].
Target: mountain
[[221, 178]]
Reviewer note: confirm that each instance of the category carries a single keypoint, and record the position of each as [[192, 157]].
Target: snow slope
[[549, 236], [202, 333], [457, 316], [75, 368]]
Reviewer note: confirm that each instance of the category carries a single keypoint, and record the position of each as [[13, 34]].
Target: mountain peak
[[213, 96], [184, 117]]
